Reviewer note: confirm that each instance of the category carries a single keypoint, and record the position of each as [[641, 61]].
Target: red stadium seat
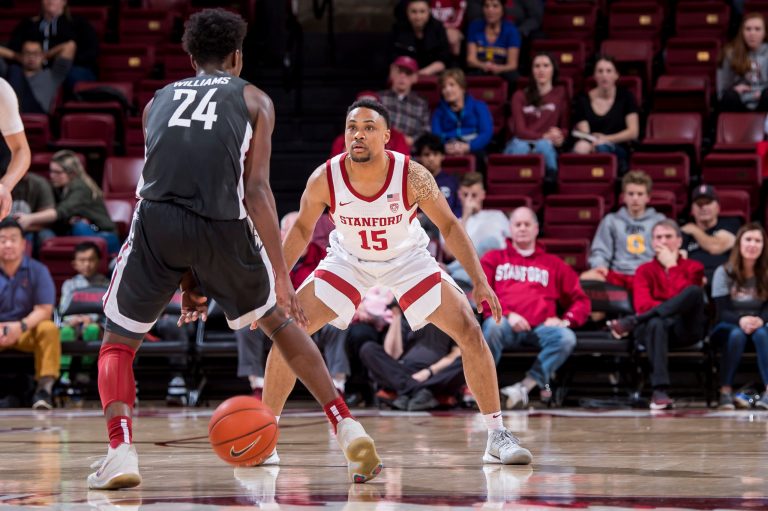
[[739, 132], [11, 17], [571, 56], [57, 254], [41, 163], [692, 56], [121, 176], [636, 21], [459, 165], [97, 16], [632, 57], [734, 172], [574, 252], [572, 21], [88, 131], [516, 175], [428, 88], [674, 131], [126, 62], [489, 89], [507, 202], [702, 19], [38, 131], [134, 137], [759, 6], [682, 93], [588, 174], [149, 26], [121, 213], [669, 171], [145, 91], [572, 216], [665, 202], [735, 204], [101, 100]]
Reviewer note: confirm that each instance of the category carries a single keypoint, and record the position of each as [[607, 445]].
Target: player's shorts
[[342, 280], [621, 280], [165, 241]]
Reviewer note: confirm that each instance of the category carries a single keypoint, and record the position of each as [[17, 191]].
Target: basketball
[[243, 431]]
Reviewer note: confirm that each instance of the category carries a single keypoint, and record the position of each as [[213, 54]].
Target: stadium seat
[[692, 56], [506, 202], [735, 204], [126, 62], [572, 216], [121, 176], [682, 93], [146, 25], [428, 88], [571, 56], [674, 131], [57, 254], [112, 98], [574, 252], [42, 160], [145, 91], [632, 57], [759, 6], [90, 134], [459, 165], [492, 90], [12, 16], [739, 132], [516, 175], [636, 21], [97, 16], [734, 172], [121, 213], [669, 171], [588, 174], [134, 137], [572, 21], [38, 131], [632, 83], [702, 19], [665, 202]]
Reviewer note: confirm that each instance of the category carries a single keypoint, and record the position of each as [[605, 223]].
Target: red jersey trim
[[419, 290], [345, 176], [340, 285], [329, 177], [405, 183]]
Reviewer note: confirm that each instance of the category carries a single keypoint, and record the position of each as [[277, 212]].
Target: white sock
[[494, 421], [257, 382], [277, 419]]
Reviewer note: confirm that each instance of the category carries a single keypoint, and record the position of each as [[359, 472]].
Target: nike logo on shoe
[[237, 454], [497, 415]]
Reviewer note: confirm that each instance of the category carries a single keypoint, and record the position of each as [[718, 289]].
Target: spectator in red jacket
[[669, 301], [532, 286]]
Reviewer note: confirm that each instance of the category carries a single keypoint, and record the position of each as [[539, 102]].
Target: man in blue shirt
[[27, 295]]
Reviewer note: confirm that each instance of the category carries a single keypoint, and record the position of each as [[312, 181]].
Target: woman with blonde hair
[[742, 79], [80, 209]]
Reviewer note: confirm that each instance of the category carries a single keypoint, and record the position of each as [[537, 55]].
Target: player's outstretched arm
[[423, 190], [314, 200], [259, 200]]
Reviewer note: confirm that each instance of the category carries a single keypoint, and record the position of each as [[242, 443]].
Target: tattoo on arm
[[422, 183]]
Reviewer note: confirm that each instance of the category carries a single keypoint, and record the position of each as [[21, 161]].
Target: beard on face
[[360, 159]]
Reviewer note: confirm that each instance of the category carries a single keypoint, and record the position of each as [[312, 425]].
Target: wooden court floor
[[689, 459]]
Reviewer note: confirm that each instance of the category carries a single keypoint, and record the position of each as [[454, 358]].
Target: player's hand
[[288, 301], [5, 202], [194, 306], [482, 292]]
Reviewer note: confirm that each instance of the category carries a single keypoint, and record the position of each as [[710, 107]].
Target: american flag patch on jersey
[[392, 197]]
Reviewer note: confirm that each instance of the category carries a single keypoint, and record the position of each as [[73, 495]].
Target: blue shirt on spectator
[[449, 185], [495, 52], [31, 285], [473, 124]]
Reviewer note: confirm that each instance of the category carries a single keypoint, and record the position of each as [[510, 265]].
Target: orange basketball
[[243, 431]]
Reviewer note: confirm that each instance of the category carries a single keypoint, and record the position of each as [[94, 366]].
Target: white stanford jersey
[[377, 228]]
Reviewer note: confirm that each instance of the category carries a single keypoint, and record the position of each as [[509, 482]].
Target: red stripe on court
[[419, 290], [340, 285]]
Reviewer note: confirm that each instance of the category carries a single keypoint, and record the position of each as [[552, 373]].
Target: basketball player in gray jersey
[[207, 221]]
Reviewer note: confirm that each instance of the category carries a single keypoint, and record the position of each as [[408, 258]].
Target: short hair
[[371, 104], [471, 179], [637, 177], [85, 246], [671, 224], [527, 210], [11, 223], [33, 41], [429, 141], [455, 73], [212, 34]]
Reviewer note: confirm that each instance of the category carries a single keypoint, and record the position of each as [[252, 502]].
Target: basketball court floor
[[687, 459]]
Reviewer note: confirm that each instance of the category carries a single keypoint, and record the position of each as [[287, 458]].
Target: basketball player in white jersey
[[15, 156], [373, 196]]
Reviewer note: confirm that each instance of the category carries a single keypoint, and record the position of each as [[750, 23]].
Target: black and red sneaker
[[622, 327]]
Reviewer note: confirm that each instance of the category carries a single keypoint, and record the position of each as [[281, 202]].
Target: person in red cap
[[397, 141], [409, 111]]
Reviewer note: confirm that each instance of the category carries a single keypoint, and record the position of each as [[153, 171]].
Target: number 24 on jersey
[[205, 111]]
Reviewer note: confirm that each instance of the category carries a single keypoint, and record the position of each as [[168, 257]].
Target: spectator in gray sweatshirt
[[742, 79], [623, 239]]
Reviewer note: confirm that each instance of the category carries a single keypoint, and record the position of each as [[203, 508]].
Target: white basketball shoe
[[362, 460], [119, 469]]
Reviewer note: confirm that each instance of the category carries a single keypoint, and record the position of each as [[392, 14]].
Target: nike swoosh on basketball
[[237, 454], [345, 203]]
